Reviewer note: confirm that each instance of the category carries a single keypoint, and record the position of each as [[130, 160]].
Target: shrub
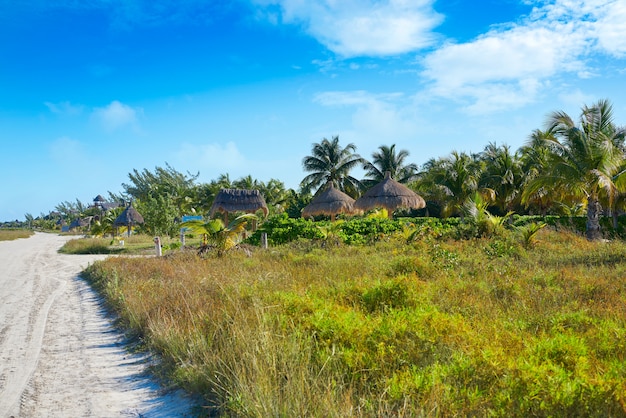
[[281, 229], [391, 294]]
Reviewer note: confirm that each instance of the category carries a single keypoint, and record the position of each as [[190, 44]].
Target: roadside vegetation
[[133, 245], [426, 327], [11, 234]]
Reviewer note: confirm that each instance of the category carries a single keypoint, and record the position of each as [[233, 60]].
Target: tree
[[275, 194], [105, 226], [163, 181], [534, 158], [330, 162], [70, 210], [502, 173], [583, 159], [159, 213], [451, 180], [247, 183], [387, 160], [29, 220]]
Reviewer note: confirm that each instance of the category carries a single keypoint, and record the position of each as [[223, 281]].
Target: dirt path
[[59, 355]]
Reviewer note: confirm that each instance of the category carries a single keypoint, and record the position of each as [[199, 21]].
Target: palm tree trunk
[[593, 219]]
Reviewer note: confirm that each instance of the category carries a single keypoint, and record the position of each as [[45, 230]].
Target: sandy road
[[59, 355]]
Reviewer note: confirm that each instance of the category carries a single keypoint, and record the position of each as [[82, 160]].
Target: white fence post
[[157, 246]]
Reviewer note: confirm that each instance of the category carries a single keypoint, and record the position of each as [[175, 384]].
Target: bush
[[387, 295], [281, 229]]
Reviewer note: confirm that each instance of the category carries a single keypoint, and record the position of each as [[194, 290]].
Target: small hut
[[98, 200], [128, 218], [81, 222], [391, 195], [329, 202], [238, 200]]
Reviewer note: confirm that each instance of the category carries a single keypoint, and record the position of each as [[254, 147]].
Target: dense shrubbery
[[281, 229]]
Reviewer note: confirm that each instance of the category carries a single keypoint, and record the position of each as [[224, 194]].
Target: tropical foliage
[[571, 168], [583, 160], [387, 160], [218, 235], [330, 162]]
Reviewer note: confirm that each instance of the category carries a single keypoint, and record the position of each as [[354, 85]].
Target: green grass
[[11, 234], [483, 327], [133, 245]]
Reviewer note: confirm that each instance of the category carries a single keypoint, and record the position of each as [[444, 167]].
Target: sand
[[60, 355]]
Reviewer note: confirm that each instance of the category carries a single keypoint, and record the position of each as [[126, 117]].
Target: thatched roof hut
[[391, 195], [128, 217], [329, 202], [238, 200], [81, 222]]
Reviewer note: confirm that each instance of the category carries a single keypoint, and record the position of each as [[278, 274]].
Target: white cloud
[[375, 117], [218, 158], [495, 97], [70, 155], [506, 67], [116, 116], [576, 98], [65, 149], [64, 108], [360, 28], [610, 29], [358, 97]]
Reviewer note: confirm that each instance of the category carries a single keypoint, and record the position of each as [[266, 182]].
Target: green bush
[[387, 295], [281, 229]]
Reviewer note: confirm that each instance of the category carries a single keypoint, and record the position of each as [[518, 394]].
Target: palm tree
[[330, 162], [534, 157], [502, 174], [451, 180], [223, 237], [275, 194], [583, 159], [387, 160], [247, 183]]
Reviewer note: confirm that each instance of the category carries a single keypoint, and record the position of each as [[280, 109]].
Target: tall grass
[[12, 234], [136, 244], [430, 328]]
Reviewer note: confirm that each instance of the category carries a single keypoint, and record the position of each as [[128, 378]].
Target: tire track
[[59, 353]]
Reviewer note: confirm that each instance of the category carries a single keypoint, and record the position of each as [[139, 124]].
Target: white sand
[[59, 354]]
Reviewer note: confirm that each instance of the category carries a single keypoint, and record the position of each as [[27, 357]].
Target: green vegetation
[[528, 322], [11, 234], [221, 237], [330, 162], [133, 245]]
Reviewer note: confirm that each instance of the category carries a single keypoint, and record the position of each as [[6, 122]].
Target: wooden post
[[264, 240]]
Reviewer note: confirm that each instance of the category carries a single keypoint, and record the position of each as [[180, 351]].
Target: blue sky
[[90, 90]]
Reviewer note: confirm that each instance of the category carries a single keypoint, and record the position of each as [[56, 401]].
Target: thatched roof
[[109, 205], [130, 216], [238, 200], [81, 222], [329, 202], [391, 195], [99, 198]]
